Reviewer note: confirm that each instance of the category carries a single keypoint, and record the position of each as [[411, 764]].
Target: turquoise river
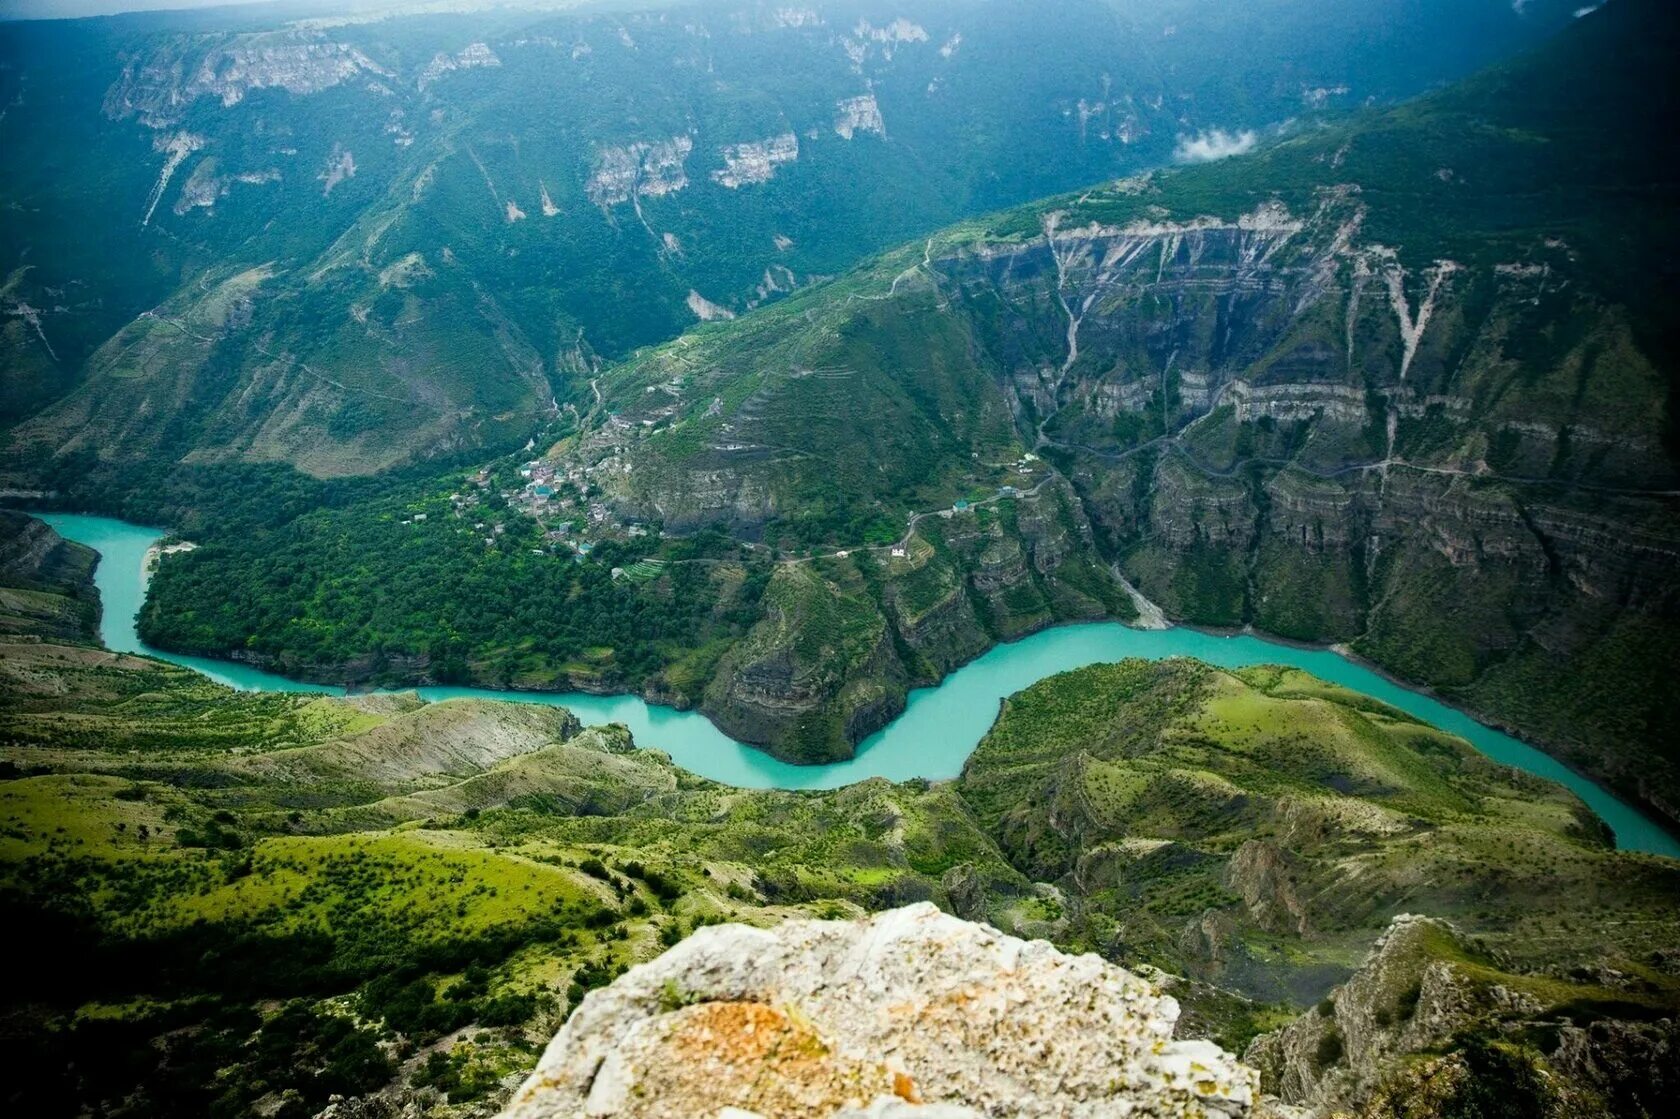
[[939, 727]]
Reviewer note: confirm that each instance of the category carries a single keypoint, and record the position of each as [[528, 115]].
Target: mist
[[1215, 143]]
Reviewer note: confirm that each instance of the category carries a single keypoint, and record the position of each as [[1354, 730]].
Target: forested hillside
[[237, 903], [343, 244]]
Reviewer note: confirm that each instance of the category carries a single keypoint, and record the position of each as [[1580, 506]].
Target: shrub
[[1330, 1049]]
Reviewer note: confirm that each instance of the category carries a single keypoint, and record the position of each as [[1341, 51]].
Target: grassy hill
[[1283, 818], [239, 902], [235, 901]]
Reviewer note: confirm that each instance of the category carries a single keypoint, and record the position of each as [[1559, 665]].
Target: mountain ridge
[[524, 193]]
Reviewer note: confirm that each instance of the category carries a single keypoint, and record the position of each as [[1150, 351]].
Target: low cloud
[[1215, 143]]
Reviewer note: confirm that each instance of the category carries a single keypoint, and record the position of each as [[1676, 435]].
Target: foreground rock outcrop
[[911, 1012]]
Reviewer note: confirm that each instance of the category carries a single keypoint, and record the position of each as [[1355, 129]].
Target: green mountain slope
[[456, 216], [46, 583], [236, 902], [1403, 383], [1248, 828]]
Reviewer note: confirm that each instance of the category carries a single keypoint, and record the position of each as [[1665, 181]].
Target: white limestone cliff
[[472, 56], [755, 162], [858, 114], [644, 169]]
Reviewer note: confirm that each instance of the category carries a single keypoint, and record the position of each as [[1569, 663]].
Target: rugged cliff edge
[[46, 583], [1367, 385], [1434, 1023], [911, 1012]]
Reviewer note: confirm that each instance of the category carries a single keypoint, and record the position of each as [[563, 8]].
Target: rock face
[[835, 654], [858, 114], [1402, 1000], [807, 677], [756, 162], [160, 87], [647, 169], [1351, 453], [31, 552], [1429, 1021], [474, 55], [46, 582], [911, 1012]]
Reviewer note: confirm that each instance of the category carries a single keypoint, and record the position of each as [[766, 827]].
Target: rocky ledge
[[1435, 1023], [909, 1013]]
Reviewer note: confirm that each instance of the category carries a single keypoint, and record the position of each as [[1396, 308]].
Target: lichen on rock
[[910, 1012]]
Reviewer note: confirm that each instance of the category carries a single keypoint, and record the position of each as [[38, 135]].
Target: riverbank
[[940, 725], [157, 551]]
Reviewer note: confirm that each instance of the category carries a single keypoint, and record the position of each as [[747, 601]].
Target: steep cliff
[[46, 583], [1366, 385], [845, 636], [1433, 1024]]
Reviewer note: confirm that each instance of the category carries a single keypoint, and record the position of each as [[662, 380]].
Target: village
[[565, 499], [571, 517]]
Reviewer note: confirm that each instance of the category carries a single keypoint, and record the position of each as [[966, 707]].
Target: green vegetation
[[1239, 475], [371, 582], [45, 582], [1161, 793], [263, 900], [1248, 385], [304, 896], [406, 580]]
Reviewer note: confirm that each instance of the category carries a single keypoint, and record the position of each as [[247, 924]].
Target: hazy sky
[[58, 9], [69, 9]]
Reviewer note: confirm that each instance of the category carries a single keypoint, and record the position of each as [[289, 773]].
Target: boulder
[[909, 1013]]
